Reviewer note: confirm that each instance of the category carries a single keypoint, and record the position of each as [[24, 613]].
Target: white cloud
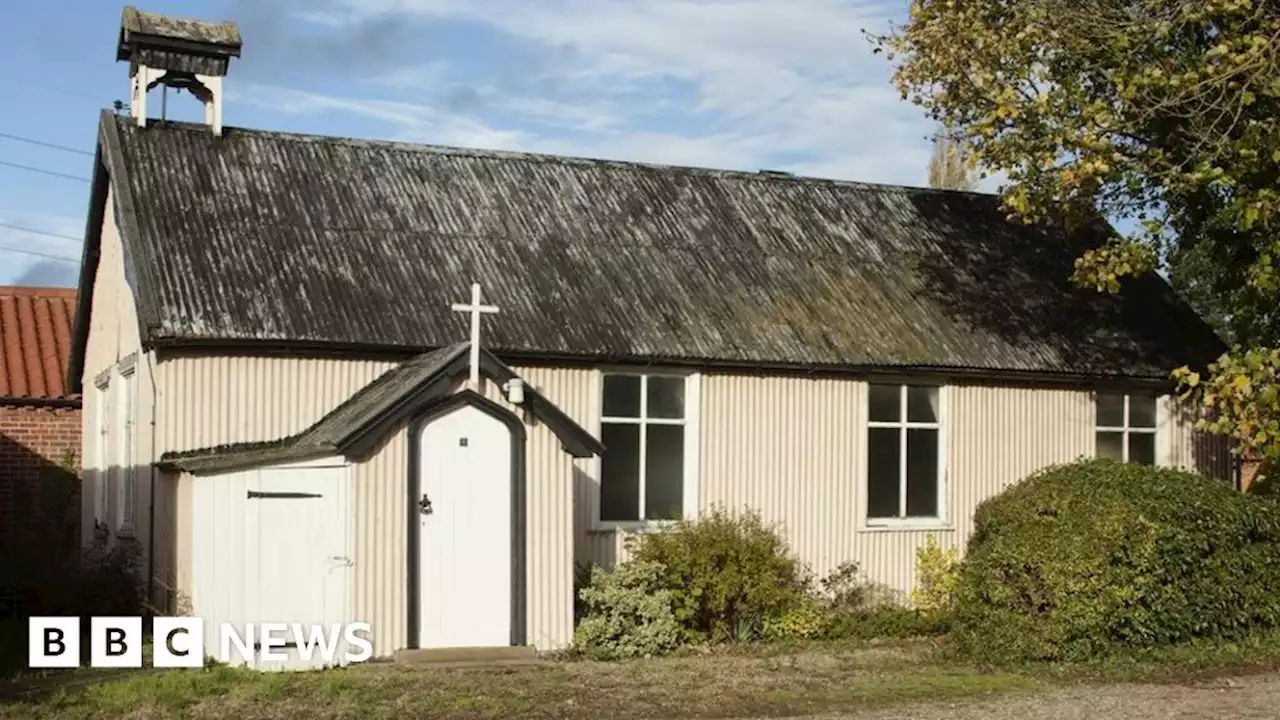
[[417, 122], [785, 84]]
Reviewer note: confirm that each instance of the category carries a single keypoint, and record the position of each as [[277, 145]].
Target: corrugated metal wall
[[790, 447], [113, 337], [209, 401], [247, 399], [1182, 446]]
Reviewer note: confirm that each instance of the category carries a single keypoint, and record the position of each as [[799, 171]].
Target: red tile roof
[[35, 341]]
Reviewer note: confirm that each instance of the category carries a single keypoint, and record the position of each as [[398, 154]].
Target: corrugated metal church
[[341, 380]]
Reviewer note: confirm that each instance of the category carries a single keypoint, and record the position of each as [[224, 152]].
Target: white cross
[[475, 308]]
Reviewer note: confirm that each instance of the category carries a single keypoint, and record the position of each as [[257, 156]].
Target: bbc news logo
[[116, 642]]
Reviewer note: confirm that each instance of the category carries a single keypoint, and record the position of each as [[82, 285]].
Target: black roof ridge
[[763, 175]]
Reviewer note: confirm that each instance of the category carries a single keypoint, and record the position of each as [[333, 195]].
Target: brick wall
[[39, 502]]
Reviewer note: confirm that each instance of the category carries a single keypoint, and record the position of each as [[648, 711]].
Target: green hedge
[[1082, 560]]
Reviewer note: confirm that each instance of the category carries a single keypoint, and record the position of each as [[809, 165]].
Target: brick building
[[39, 420]]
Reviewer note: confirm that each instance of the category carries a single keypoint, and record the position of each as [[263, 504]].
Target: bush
[[1096, 557], [725, 573], [582, 574], [37, 582], [937, 573], [628, 614], [805, 622], [888, 622]]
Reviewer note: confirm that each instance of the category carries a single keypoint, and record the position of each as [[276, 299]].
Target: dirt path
[[1243, 698]]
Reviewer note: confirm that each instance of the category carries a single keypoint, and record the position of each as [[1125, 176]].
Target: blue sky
[[744, 84]]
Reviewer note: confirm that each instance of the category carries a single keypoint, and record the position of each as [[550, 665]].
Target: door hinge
[[255, 495]]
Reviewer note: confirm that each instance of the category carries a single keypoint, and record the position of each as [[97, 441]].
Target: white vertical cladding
[[1180, 445], [786, 447], [1000, 435], [205, 401], [553, 478], [226, 567], [789, 448], [218, 551], [381, 559]]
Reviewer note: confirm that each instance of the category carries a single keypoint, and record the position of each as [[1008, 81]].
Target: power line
[[40, 232], [47, 256], [45, 86], [42, 171], [46, 144]]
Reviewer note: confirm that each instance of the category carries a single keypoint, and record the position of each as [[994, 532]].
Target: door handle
[[424, 505]]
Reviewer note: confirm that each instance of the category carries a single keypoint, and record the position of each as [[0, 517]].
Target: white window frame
[[940, 522], [692, 440], [1126, 428], [126, 485], [101, 449]]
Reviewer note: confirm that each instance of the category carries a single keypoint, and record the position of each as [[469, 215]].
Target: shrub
[[36, 582], [725, 573], [582, 574], [937, 573], [844, 591], [628, 614], [888, 622], [1090, 558], [804, 622]]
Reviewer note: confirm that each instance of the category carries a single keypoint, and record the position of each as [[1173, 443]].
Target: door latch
[[424, 505]]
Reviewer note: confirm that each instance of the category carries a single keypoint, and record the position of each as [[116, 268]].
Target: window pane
[[1142, 411], [1111, 445], [666, 398], [922, 473], [622, 396], [883, 474], [922, 404], [620, 473], [1142, 448], [664, 466], [885, 402], [1110, 410]]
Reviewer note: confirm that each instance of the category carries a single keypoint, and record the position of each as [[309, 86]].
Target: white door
[[465, 534], [300, 569]]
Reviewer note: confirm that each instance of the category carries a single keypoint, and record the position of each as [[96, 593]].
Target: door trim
[[518, 520]]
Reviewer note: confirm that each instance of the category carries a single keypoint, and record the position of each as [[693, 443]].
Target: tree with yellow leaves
[[1162, 114]]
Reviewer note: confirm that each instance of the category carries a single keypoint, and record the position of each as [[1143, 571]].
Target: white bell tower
[[186, 54]]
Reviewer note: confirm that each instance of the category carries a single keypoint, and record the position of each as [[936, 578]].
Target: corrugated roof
[[273, 238], [35, 342]]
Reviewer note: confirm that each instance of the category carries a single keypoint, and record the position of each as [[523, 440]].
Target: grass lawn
[[746, 682]]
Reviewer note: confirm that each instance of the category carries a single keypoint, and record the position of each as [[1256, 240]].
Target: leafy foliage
[[806, 621], [937, 573], [722, 571], [628, 614], [1098, 557], [1161, 114], [888, 621], [1240, 397]]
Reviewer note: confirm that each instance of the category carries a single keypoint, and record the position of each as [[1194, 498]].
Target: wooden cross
[[476, 309]]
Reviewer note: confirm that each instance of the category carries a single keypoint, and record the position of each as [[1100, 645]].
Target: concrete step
[[470, 656]]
